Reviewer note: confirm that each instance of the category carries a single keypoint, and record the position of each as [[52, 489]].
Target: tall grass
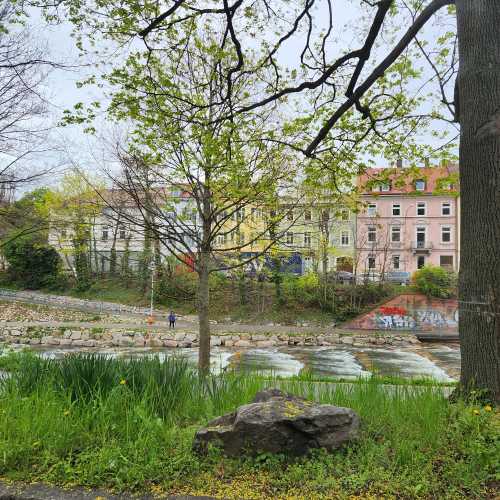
[[94, 421]]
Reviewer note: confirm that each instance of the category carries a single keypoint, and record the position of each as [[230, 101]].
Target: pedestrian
[[171, 319]]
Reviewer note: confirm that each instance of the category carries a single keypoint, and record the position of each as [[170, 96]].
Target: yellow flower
[[476, 412], [487, 408], [123, 381], [66, 413]]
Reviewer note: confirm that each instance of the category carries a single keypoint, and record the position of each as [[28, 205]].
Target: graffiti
[[411, 312]]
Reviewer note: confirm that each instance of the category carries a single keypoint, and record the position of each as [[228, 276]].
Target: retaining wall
[[411, 312], [98, 337]]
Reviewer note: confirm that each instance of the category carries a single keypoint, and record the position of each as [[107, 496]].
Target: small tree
[[32, 264]]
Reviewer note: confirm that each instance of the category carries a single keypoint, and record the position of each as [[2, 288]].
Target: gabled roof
[[403, 180]]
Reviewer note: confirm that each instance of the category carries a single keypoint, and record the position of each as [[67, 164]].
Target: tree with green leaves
[[195, 178], [359, 94]]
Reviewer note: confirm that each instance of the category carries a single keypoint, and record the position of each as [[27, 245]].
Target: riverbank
[[129, 426]]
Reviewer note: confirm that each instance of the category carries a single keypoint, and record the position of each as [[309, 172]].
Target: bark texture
[[203, 309], [479, 115]]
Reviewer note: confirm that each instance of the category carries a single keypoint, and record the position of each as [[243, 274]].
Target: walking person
[[171, 319]]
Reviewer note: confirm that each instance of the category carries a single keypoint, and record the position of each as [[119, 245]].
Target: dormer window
[[385, 187], [420, 185]]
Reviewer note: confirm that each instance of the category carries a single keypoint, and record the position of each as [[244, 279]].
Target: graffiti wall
[[411, 312]]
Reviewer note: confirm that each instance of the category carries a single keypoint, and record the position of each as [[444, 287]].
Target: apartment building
[[410, 218], [118, 227], [320, 235]]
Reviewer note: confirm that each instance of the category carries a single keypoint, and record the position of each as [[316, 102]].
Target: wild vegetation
[[128, 425], [436, 282]]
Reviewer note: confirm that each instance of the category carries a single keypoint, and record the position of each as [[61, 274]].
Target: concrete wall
[[411, 312]]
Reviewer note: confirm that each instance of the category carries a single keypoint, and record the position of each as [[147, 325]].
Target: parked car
[[399, 277], [343, 277], [372, 276]]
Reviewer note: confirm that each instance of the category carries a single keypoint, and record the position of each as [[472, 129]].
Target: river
[[437, 361]]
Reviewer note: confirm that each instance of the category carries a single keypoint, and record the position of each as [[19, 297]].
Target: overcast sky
[[63, 94]]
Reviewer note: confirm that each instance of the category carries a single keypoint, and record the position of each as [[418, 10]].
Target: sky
[[74, 147]]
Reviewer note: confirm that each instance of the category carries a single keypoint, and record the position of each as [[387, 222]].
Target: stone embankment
[[102, 337], [71, 302]]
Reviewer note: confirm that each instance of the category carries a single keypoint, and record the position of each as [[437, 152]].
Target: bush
[[31, 264], [436, 282]]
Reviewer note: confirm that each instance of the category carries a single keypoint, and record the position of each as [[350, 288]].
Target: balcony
[[421, 247]]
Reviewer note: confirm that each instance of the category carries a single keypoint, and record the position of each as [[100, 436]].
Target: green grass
[[128, 425]]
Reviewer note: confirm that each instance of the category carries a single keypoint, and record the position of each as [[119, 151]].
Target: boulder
[[279, 423], [242, 343]]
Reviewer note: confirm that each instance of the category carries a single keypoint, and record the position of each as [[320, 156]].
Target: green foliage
[[129, 426], [32, 265], [436, 282]]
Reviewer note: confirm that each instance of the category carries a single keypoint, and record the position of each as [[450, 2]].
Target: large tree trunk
[[479, 116]]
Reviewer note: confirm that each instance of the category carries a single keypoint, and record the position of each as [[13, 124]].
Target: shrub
[[31, 264], [435, 282]]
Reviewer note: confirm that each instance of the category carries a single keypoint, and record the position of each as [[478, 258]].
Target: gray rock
[[242, 343], [76, 335], [170, 343], [65, 342], [279, 423]]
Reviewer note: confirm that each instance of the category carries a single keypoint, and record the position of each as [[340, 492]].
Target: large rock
[[279, 423]]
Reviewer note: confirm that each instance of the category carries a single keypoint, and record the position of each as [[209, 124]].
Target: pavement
[[43, 492]]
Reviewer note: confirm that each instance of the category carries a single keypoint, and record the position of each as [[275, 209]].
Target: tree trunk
[[479, 116], [203, 309]]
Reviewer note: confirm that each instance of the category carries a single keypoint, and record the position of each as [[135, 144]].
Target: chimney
[[427, 162], [399, 163]]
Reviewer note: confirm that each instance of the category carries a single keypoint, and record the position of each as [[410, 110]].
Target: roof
[[437, 180]]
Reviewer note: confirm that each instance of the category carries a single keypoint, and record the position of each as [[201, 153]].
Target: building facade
[[410, 218]]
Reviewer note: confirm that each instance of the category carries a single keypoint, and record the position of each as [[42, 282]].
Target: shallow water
[[438, 361]]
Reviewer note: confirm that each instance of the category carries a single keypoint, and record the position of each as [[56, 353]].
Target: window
[[307, 239], [420, 185], [445, 234], [307, 215], [344, 238], [372, 234], [122, 233], [64, 233], [421, 233], [446, 261], [385, 187], [344, 215], [396, 209], [221, 239], [395, 261], [445, 208], [421, 208], [372, 210], [420, 262], [396, 234], [240, 214], [104, 233], [289, 238], [371, 262], [289, 215]]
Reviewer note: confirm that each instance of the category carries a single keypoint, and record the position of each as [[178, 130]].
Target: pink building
[[411, 218]]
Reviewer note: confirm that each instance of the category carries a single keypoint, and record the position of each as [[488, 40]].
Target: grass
[[128, 425]]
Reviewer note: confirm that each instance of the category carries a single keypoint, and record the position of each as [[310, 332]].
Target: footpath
[[43, 492]]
